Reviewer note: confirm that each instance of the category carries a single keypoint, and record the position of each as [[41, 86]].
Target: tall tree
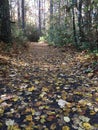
[[80, 20], [39, 11], [74, 25], [51, 10], [18, 9], [23, 13], [5, 25]]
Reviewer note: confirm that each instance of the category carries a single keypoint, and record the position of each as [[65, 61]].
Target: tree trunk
[[18, 10], [51, 10], [5, 26], [23, 14], [39, 17], [74, 26], [59, 12], [80, 20]]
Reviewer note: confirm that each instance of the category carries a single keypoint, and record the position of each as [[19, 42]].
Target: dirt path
[[46, 88]]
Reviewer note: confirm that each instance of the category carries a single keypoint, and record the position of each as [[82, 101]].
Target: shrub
[[58, 35], [32, 33], [18, 35]]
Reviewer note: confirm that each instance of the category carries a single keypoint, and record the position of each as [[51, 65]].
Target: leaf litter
[[46, 88]]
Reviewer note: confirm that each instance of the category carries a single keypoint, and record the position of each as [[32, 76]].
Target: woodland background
[[59, 22]]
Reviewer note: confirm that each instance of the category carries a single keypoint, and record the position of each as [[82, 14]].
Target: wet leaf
[[65, 128]]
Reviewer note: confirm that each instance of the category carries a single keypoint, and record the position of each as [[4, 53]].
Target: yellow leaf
[[42, 120], [44, 98], [1, 111], [28, 128], [28, 110], [63, 95], [96, 99], [15, 99], [29, 118], [87, 126], [83, 102], [31, 89], [44, 89], [46, 129], [92, 112], [53, 126], [78, 93], [1, 124], [33, 111], [1, 100], [16, 127], [65, 128], [96, 125]]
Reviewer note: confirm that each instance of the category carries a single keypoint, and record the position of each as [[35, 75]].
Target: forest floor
[[48, 88]]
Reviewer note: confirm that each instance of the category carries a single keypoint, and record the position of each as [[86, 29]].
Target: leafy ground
[[48, 88]]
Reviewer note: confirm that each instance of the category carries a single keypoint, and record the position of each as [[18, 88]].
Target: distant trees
[[5, 25], [62, 21], [77, 22]]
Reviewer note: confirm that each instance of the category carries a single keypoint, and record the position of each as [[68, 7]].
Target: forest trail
[[48, 88]]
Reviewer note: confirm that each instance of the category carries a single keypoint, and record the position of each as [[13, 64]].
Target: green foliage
[[18, 35], [30, 33], [84, 45], [42, 39], [88, 46], [59, 35]]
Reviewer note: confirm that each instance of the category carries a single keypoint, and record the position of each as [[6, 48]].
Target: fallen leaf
[[66, 119], [31, 89], [9, 122], [53, 126], [87, 126], [29, 118], [61, 103], [1, 111], [65, 128]]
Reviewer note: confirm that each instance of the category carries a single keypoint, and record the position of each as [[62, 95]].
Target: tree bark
[[51, 10], [74, 26], [80, 20], [18, 10], [39, 11], [5, 33], [23, 14]]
